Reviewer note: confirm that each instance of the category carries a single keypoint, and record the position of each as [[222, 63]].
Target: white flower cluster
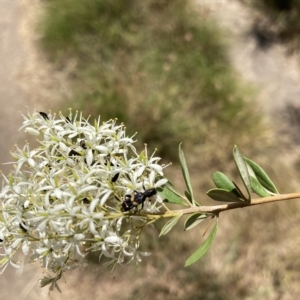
[[64, 199]]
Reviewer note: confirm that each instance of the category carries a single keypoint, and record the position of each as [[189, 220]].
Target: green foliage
[[170, 195], [193, 220], [223, 195], [203, 248], [257, 188], [186, 175], [254, 178], [261, 175], [169, 225], [223, 182], [153, 64], [243, 171]]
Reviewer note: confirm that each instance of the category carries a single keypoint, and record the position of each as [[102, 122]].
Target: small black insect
[[44, 115], [74, 153], [137, 198], [83, 144], [115, 177], [110, 163], [86, 201]]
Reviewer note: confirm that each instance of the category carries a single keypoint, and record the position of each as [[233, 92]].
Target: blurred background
[[210, 74]]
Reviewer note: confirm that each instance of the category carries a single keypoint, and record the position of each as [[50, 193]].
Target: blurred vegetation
[[156, 65], [161, 67], [279, 21]]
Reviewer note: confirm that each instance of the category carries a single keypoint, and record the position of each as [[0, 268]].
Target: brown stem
[[216, 209]]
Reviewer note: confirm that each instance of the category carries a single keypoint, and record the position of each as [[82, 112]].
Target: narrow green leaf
[[203, 248], [194, 220], [223, 182], [170, 196], [189, 197], [242, 168], [223, 195], [169, 225], [185, 172], [243, 198], [257, 188], [261, 176]]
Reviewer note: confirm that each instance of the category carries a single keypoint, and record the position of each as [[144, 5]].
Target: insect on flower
[[137, 198], [44, 115], [65, 193], [73, 153], [115, 177], [83, 145]]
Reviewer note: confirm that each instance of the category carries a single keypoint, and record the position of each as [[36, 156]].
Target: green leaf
[[240, 192], [223, 182], [261, 176], [169, 225], [223, 195], [194, 220], [203, 248], [189, 197], [170, 195], [257, 188], [185, 172], [242, 168]]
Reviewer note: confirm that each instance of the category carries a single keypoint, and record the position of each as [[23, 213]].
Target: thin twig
[[217, 209]]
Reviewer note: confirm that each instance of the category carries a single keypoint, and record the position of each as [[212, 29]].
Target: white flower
[[65, 197], [8, 259]]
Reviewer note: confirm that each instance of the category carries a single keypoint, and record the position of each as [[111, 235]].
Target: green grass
[[156, 65]]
